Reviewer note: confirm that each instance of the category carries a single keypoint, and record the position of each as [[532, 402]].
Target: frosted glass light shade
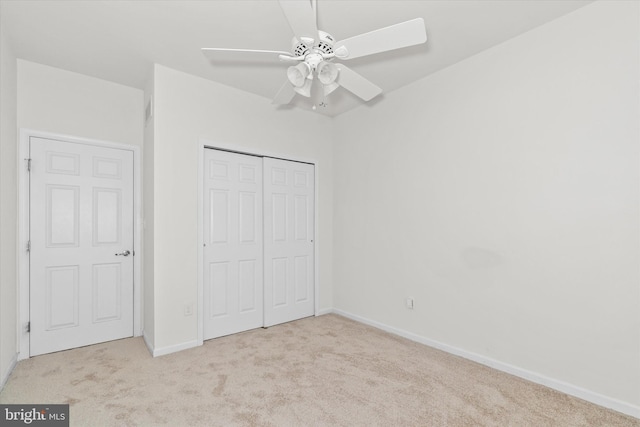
[[298, 74]]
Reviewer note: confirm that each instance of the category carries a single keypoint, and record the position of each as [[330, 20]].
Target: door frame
[[204, 144], [23, 229]]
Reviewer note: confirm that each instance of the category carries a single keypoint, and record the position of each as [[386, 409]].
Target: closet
[[258, 242]]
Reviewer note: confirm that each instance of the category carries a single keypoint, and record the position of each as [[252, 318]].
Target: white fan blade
[[301, 18], [354, 82], [223, 53], [405, 34], [284, 95]]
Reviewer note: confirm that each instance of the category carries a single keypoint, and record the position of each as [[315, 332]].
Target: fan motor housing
[[323, 45]]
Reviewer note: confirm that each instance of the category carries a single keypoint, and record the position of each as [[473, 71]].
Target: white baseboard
[[147, 343], [7, 372], [172, 348], [570, 389]]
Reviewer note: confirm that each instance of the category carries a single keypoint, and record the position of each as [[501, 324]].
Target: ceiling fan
[[313, 52]]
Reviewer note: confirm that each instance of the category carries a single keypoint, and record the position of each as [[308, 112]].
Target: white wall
[[8, 209], [148, 238], [187, 109], [60, 101], [502, 193]]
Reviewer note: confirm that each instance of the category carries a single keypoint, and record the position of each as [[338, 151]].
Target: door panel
[[107, 287], [288, 248], [81, 215], [233, 255], [62, 302], [62, 215]]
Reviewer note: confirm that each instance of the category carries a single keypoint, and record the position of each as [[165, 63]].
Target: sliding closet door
[[233, 256], [288, 241]]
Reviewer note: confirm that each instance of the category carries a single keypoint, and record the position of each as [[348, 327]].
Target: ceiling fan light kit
[[314, 50], [305, 89], [298, 74], [327, 72]]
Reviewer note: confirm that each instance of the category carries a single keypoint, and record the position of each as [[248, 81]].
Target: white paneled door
[[81, 236], [288, 241], [233, 257], [258, 242]]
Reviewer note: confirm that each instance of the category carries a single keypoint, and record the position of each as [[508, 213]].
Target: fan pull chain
[[323, 103]]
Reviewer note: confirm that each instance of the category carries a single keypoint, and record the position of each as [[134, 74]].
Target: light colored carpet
[[320, 371]]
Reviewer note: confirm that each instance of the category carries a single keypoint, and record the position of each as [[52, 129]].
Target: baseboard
[[570, 389], [174, 348], [147, 343], [7, 372]]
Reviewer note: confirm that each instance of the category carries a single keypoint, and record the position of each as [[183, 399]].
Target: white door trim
[[204, 144], [23, 229]]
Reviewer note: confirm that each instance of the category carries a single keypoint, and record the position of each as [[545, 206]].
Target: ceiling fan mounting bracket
[[313, 60]]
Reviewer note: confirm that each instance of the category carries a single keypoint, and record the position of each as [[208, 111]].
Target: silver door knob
[[125, 253]]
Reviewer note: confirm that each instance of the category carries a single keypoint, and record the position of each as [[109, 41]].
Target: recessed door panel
[[107, 168], [219, 284], [248, 216], [62, 297], [219, 216], [300, 178], [301, 277], [279, 280], [107, 292], [278, 176], [218, 169], [301, 217], [247, 173], [81, 216], [62, 163], [279, 216], [247, 285], [107, 216], [62, 215]]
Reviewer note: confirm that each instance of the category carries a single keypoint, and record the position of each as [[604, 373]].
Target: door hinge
[[28, 327], [28, 164], [29, 246]]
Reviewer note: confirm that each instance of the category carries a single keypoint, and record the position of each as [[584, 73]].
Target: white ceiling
[[120, 40]]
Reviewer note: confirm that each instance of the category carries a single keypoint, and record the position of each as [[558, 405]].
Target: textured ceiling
[[120, 40]]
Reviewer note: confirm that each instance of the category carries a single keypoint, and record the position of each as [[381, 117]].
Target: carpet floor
[[322, 371]]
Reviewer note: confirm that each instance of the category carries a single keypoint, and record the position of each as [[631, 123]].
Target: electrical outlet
[[409, 303], [188, 309]]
